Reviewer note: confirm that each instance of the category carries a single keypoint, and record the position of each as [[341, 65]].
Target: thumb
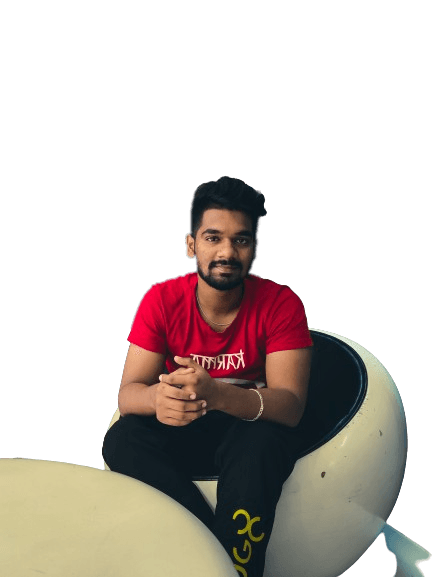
[[184, 371], [185, 362]]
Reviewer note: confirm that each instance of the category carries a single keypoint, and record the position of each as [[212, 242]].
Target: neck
[[217, 302]]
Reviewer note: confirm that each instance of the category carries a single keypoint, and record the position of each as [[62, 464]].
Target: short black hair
[[230, 194]]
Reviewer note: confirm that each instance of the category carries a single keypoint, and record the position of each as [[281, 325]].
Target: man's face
[[224, 248]]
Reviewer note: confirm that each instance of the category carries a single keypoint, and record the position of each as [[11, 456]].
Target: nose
[[226, 250]]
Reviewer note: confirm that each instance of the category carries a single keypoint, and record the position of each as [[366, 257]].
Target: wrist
[[152, 391], [216, 396]]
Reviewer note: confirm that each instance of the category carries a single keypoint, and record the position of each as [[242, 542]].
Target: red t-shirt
[[271, 318]]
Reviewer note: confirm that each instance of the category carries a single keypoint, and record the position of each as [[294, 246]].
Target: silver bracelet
[[261, 408]]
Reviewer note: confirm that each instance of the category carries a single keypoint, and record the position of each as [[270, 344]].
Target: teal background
[[113, 113]]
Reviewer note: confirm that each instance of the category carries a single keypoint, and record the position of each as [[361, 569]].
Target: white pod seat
[[348, 477], [63, 520]]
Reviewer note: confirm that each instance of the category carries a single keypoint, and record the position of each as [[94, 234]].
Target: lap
[[201, 446], [192, 447], [258, 442]]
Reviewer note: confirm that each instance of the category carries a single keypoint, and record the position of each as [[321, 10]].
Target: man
[[237, 351]]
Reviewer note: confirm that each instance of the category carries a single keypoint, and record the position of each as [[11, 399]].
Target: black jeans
[[252, 460]]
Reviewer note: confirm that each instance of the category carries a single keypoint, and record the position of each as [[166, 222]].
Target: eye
[[243, 241], [212, 238]]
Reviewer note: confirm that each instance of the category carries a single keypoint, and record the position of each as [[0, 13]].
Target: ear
[[190, 243]]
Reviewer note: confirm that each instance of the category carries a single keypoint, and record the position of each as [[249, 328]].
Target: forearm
[[137, 399], [280, 405]]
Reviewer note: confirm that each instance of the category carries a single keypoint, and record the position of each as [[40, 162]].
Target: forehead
[[225, 220]]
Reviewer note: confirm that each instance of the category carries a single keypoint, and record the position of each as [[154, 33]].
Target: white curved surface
[[336, 501], [325, 523], [68, 521]]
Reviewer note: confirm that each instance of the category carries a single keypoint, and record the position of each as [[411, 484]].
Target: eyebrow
[[216, 231]]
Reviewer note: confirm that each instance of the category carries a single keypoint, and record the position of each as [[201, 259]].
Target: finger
[[188, 406], [170, 391], [177, 423], [164, 404], [169, 379], [174, 421], [183, 371], [184, 415], [178, 380], [171, 422], [186, 362]]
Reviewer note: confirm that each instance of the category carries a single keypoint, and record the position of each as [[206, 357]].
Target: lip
[[226, 268]]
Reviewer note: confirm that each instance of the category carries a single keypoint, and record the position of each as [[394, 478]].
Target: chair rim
[[341, 423]]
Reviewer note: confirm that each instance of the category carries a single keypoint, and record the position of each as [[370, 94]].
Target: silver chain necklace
[[206, 317]]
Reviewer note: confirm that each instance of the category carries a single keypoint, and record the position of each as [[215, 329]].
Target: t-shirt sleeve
[[148, 328], [287, 328]]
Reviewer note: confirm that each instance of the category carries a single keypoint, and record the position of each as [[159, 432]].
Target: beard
[[231, 281]]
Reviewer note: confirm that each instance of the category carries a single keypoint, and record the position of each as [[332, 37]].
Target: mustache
[[233, 263]]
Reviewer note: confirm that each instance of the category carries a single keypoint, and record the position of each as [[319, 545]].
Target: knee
[[264, 438], [261, 445], [115, 441]]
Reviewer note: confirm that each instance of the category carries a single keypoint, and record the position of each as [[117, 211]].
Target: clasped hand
[[184, 395]]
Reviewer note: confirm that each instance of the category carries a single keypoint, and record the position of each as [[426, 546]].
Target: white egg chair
[[348, 477]]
